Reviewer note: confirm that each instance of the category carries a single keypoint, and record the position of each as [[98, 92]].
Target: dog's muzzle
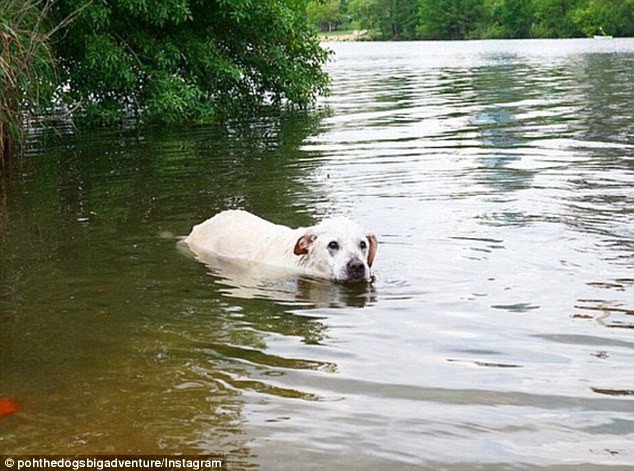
[[355, 270]]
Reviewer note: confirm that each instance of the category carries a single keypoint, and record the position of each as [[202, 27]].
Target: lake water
[[499, 179]]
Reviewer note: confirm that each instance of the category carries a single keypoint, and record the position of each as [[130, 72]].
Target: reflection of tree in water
[[157, 354], [130, 176], [601, 201], [604, 89]]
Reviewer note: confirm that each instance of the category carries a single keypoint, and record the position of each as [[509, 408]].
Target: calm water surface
[[499, 178]]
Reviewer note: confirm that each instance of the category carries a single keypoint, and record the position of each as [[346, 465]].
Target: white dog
[[336, 249]]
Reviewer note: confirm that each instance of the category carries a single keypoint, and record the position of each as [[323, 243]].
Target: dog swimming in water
[[336, 249]]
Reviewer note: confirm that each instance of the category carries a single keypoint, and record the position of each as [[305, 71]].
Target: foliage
[[27, 74], [325, 15], [615, 17], [175, 61], [554, 18], [449, 19], [395, 19], [514, 18], [473, 19]]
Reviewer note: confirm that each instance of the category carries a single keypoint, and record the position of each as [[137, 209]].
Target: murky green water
[[499, 178]]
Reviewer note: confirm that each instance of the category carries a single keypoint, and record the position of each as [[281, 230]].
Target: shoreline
[[356, 35]]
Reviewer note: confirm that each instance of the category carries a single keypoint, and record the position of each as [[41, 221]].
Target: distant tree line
[[475, 19]]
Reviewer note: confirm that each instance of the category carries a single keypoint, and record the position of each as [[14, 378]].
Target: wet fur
[[242, 236]]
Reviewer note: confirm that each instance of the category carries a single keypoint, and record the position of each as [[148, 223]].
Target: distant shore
[[365, 35], [356, 35]]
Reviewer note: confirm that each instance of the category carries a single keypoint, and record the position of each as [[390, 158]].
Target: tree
[[614, 17], [515, 18], [396, 19], [177, 61], [449, 19], [554, 19], [403, 18], [323, 14], [367, 13]]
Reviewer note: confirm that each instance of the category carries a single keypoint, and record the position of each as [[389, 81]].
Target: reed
[[27, 70]]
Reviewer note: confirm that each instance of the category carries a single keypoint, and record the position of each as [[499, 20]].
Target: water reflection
[[263, 282], [294, 290], [497, 334], [97, 312]]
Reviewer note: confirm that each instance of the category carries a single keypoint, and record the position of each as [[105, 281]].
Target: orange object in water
[[7, 406]]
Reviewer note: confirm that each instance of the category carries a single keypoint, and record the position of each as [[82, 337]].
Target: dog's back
[[235, 234]]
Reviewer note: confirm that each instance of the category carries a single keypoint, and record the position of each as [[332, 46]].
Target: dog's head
[[338, 249]]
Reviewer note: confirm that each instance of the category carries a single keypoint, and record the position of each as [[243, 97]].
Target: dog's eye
[[363, 245], [334, 246]]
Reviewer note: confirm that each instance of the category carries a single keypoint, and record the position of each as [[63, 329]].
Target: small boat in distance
[[602, 34]]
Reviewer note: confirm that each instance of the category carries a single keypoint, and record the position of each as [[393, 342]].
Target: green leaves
[[171, 100], [108, 61], [176, 61], [394, 18], [480, 19], [450, 19]]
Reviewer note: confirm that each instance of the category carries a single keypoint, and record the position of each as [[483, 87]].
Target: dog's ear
[[303, 243], [374, 244]]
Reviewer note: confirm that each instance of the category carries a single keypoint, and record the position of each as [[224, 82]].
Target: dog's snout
[[356, 269]]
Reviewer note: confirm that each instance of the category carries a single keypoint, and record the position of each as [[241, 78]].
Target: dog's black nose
[[356, 270]]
